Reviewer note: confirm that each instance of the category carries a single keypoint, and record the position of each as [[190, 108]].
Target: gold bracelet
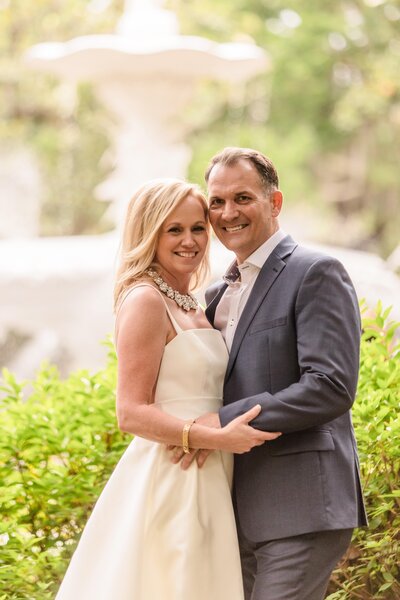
[[185, 436]]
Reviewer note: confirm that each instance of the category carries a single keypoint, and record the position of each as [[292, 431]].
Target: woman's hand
[[239, 437]]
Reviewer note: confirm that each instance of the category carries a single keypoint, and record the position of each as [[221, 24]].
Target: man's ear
[[276, 201]]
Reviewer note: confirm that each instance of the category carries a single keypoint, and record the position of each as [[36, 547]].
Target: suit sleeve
[[328, 337]]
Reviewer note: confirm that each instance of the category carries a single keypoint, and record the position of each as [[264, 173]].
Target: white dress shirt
[[241, 279]]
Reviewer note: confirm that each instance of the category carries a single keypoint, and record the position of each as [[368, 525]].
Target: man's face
[[242, 214]]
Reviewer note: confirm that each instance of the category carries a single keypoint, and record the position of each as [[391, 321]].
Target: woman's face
[[183, 239]]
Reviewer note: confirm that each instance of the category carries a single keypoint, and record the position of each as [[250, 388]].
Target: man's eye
[[216, 202], [243, 198]]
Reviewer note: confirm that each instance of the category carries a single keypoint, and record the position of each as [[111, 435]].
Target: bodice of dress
[[191, 375]]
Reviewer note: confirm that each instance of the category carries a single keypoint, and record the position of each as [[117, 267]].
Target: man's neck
[[263, 249]]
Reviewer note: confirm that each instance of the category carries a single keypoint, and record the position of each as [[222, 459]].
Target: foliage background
[[59, 447], [328, 111], [64, 127]]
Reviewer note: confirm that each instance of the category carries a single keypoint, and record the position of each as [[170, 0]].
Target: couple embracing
[[242, 481]]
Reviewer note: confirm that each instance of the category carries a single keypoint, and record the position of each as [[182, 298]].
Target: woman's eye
[[174, 230], [199, 228]]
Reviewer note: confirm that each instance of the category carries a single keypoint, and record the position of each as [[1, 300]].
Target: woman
[[159, 532]]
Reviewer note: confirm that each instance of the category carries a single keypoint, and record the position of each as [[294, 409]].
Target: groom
[[291, 322]]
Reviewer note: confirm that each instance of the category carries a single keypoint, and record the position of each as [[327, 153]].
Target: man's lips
[[234, 228]]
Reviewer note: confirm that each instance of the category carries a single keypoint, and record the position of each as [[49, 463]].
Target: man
[[291, 322]]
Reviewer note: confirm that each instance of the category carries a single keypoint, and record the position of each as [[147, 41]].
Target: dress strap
[[177, 327]]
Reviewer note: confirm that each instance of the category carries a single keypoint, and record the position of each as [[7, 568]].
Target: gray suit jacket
[[296, 352]]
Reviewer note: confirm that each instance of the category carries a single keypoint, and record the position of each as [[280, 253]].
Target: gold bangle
[[185, 436]]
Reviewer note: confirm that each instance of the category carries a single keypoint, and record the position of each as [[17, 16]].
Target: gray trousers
[[295, 568]]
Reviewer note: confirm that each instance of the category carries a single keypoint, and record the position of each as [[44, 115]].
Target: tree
[[64, 127], [328, 113]]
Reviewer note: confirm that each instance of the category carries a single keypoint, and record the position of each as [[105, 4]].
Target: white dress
[[158, 532]]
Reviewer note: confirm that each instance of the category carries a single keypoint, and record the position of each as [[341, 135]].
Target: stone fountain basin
[[98, 57]]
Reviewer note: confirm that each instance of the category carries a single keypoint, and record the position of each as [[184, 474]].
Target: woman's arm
[[143, 328]]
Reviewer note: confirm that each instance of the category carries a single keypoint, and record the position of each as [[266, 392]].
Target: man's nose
[[230, 211]]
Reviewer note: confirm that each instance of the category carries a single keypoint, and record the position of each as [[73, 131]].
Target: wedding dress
[[158, 532]]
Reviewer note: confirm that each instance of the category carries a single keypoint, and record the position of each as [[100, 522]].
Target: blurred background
[[97, 96]]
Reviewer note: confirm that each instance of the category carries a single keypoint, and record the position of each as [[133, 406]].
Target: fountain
[[146, 74], [56, 293]]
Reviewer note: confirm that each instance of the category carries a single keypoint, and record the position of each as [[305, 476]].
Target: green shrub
[[371, 568], [58, 448]]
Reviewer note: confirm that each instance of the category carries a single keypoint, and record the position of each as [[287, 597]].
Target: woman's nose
[[188, 240]]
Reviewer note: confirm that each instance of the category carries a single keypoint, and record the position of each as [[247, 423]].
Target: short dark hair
[[264, 166]]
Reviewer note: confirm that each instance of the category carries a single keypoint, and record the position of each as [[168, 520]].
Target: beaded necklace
[[185, 301]]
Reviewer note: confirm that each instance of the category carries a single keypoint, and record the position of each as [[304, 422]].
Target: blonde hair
[[148, 209]]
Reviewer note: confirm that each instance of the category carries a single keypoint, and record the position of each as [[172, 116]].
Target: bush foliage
[[57, 450], [59, 446], [371, 568]]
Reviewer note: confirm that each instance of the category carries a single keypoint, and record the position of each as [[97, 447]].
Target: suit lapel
[[212, 306], [271, 269]]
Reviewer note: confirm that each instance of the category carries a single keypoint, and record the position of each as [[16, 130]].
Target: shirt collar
[[257, 259], [259, 256]]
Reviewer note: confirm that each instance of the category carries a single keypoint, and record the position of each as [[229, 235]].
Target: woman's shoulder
[[142, 303], [141, 296]]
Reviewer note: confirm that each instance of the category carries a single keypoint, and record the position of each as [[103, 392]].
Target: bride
[[160, 532]]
